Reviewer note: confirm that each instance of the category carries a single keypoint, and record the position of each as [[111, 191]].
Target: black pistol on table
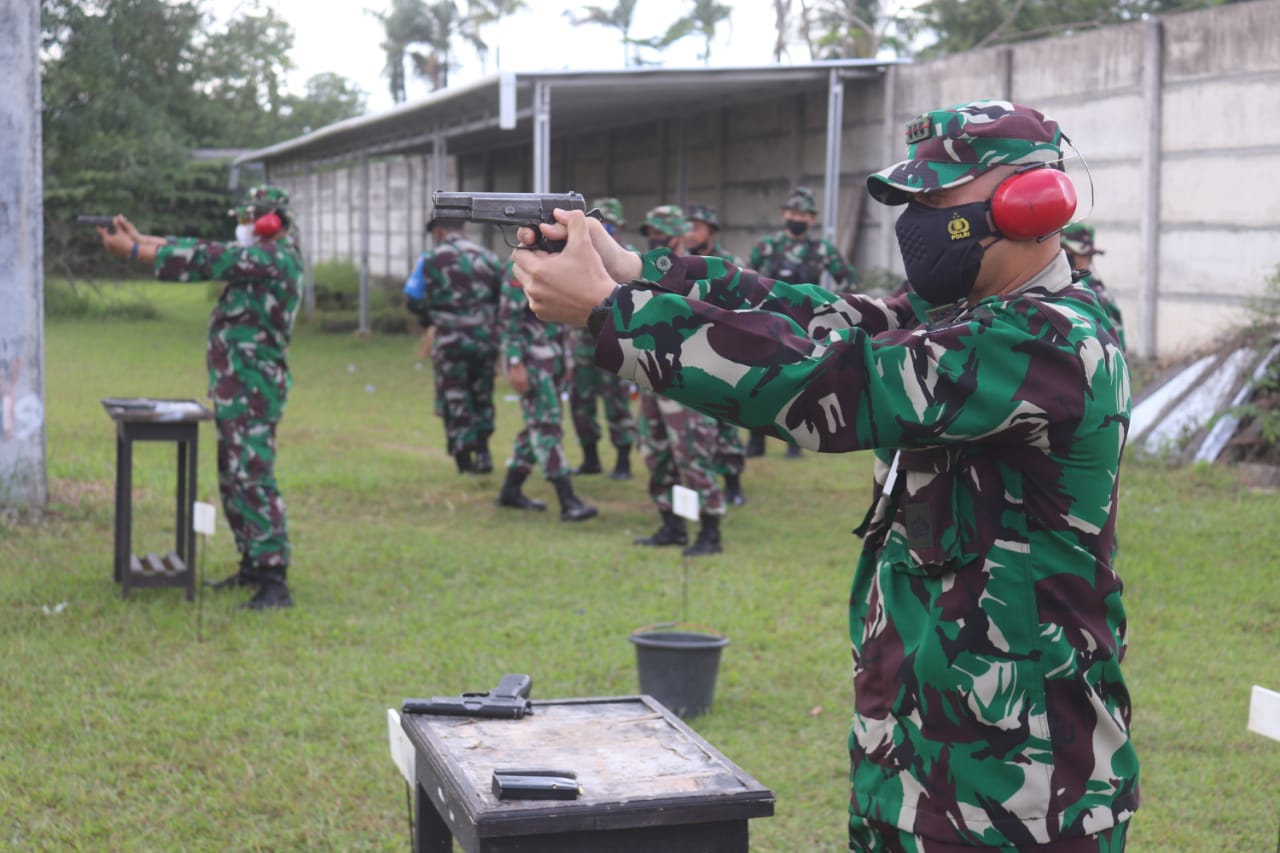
[[106, 222], [516, 210], [508, 701]]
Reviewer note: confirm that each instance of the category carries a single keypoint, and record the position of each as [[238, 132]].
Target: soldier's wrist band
[[133, 252], [599, 314]]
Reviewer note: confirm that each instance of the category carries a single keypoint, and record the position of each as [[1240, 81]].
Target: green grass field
[[120, 729]]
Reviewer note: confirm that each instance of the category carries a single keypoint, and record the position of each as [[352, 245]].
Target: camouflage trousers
[[731, 456], [248, 404], [679, 446], [590, 383], [540, 442], [871, 837], [464, 391]]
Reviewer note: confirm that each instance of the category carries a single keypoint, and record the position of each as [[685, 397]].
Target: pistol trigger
[[595, 213]]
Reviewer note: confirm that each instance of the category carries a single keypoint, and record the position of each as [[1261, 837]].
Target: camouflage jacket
[[1108, 304], [985, 615], [797, 260], [455, 286], [525, 338], [253, 320]]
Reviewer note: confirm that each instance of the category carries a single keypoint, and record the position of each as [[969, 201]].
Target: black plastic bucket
[[679, 668]]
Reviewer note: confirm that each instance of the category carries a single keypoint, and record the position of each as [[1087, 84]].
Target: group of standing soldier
[[482, 321]]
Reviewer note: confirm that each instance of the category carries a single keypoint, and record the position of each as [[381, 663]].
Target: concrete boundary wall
[[1174, 116]]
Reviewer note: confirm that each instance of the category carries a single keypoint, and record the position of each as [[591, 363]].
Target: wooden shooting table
[[649, 782], [144, 419]]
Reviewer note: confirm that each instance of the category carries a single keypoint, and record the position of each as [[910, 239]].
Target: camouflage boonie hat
[[703, 213], [1078, 239], [610, 211], [947, 148], [259, 201], [801, 199], [665, 219]]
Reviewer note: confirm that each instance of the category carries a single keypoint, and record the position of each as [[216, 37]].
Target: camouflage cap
[[801, 199], [610, 211], [1078, 239], [703, 213], [950, 147], [261, 200], [665, 219]]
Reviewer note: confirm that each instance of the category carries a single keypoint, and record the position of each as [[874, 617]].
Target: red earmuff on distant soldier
[[268, 225], [1033, 203]]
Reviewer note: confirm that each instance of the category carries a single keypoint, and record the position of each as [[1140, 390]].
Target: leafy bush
[[337, 285], [65, 300]]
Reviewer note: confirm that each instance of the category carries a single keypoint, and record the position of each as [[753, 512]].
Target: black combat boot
[[794, 451], [755, 443], [511, 496], [672, 531], [571, 508], [484, 462], [733, 489], [273, 591], [622, 468], [465, 465], [590, 459], [231, 581], [708, 541]]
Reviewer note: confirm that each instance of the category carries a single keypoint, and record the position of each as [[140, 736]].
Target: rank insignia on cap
[[919, 129]]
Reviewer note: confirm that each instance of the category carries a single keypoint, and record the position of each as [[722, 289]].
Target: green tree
[[702, 19], [242, 75], [619, 18], [423, 35], [327, 98], [485, 13], [960, 25], [850, 29]]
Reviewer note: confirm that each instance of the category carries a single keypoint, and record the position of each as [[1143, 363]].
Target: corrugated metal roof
[[468, 115]]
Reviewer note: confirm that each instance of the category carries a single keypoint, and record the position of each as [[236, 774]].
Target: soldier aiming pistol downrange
[[249, 378], [985, 616]]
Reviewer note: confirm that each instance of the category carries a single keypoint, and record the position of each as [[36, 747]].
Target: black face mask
[[700, 248], [797, 226], [941, 248], [659, 242]]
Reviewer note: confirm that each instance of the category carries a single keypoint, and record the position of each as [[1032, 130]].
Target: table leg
[[124, 510], [183, 535], [432, 834]]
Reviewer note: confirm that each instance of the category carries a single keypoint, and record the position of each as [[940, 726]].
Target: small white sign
[[204, 518], [1264, 712], [684, 502]]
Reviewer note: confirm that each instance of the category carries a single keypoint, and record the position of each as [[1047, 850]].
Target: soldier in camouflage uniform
[[678, 443], [455, 288], [1078, 241], [533, 352], [731, 457], [985, 615], [794, 257], [590, 383], [249, 378]]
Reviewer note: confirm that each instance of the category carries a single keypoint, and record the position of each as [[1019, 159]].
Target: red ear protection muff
[[1033, 203], [268, 225]]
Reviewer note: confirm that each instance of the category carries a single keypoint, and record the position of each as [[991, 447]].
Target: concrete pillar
[[893, 150], [365, 327], [1149, 227], [835, 133], [311, 242], [23, 479], [541, 137]]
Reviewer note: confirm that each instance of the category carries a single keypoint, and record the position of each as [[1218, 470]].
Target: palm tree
[[481, 13], [618, 18], [704, 17], [433, 27]]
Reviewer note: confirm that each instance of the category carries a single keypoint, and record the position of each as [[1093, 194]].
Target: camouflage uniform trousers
[[679, 446], [464, 388], [541, 441], [870, 837], [731, 456], [589, 383], [248, 405]]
